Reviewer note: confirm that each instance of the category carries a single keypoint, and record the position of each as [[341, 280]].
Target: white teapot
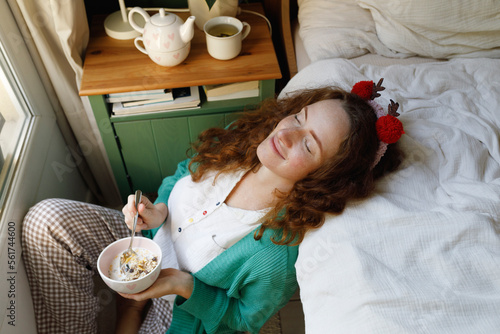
[[166, 38]]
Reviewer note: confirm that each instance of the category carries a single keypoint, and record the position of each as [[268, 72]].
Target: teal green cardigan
[[240, 289]]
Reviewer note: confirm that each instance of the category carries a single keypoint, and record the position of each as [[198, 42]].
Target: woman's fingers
[[167, 283], [129, 212]]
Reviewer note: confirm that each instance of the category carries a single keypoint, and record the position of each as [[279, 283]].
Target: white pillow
[[338, 29], [438, 29]]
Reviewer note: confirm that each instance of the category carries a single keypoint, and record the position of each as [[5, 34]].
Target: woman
[[235, 213]]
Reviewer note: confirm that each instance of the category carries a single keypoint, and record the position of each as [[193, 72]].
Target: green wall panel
[[199, 123], [139, 154], [172, 142], [231, 117]]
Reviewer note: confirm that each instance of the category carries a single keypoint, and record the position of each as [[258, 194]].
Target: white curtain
[[57, 33]]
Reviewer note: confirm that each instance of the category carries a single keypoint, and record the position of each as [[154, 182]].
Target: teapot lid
[[163, 19]]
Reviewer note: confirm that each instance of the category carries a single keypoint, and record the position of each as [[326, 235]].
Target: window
[[15, 118]]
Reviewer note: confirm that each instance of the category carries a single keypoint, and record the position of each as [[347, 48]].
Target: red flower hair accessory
[[389, 128]]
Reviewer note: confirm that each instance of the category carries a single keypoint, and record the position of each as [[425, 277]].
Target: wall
[[48, 182]]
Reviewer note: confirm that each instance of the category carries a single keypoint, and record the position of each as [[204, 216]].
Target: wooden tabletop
[[113, 66]]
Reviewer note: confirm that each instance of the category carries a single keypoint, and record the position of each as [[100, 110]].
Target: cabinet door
[[199, 123], [231, 117], [138, 149], [172, 142]]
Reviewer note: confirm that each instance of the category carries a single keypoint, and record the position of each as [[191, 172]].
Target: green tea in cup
[[223, 30]]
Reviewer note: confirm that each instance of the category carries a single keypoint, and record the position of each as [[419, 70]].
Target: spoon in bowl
[[128, 254]]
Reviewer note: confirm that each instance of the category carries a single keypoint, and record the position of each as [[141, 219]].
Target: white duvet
[[422, 255]]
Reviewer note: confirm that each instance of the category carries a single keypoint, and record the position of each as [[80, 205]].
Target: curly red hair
[[346, 176]]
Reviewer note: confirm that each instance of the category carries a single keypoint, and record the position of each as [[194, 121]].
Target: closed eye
[[307, 146], [305, 140]]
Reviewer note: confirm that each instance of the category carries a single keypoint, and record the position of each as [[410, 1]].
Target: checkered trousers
[[61, 242]]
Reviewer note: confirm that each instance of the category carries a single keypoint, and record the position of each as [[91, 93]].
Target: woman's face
[[302, 142]]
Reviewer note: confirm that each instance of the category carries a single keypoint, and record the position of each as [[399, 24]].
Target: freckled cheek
[[301, 164]]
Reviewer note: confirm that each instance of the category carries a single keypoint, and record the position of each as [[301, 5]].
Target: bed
[[422, 254]]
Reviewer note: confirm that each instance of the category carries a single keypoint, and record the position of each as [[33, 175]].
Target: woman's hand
[[169, 282], [150, 215]]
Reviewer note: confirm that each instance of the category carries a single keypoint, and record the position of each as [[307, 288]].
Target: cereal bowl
[[114, 250]]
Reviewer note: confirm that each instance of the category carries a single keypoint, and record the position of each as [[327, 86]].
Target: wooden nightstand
[[143, 149]]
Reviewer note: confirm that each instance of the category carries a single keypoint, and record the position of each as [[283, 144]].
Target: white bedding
[[400, 28], [438, 29], [338, 29], [422, 255]]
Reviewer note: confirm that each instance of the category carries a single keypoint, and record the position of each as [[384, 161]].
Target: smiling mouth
[[274, 146]]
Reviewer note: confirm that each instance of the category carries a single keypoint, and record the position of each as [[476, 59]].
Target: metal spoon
[[129, 253]]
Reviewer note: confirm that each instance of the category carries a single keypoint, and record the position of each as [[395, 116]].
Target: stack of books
[[180, 98], [230, 91], [155, 95]]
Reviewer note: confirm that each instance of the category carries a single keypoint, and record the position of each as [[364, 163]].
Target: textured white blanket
[[422, 255]]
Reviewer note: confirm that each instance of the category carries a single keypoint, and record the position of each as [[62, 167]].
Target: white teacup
[[224, 36], [166, 58]]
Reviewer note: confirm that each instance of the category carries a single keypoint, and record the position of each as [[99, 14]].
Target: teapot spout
[[187, 30]]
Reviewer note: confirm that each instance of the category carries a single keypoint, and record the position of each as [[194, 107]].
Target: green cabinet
[[143, 149]]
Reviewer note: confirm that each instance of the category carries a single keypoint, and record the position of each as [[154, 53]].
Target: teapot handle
[[141, 11]]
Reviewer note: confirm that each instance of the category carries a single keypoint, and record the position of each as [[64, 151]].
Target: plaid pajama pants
[[61, 241]]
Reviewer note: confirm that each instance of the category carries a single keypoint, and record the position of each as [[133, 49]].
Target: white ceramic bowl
[[110, 252]]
